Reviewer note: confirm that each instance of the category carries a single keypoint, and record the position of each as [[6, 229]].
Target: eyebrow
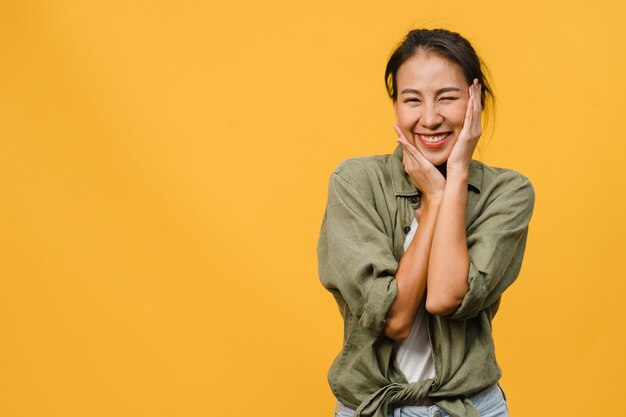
[[440, 91]]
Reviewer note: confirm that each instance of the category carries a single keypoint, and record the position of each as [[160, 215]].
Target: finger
[[413, 153], [476, 87], [469, 112], [404, 142], [410, 164], [400, 134], [398, 131], [476, 126], [410, 151], [405, 158]]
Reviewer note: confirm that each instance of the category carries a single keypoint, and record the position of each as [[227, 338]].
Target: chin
[[436, 160], [436, 157]]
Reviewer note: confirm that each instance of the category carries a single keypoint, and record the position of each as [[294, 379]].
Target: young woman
[[418, 246]]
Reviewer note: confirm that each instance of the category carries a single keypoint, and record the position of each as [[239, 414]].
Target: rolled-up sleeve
[[496, 243], [355, 255]]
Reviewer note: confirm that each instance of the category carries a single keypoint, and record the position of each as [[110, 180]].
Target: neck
[[442, 168]]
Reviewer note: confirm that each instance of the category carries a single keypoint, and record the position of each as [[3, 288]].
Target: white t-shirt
[[414, 355]]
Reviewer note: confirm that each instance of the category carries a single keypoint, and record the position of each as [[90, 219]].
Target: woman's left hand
[[463, 149]]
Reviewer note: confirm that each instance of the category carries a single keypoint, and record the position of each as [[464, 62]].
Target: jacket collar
[[403, 186]]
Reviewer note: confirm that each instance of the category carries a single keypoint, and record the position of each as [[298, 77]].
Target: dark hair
[[448, 45]]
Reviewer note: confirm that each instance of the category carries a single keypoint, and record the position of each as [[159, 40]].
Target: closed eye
[[449, 98]]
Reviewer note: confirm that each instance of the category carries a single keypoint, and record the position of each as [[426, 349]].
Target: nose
[[431, 118]]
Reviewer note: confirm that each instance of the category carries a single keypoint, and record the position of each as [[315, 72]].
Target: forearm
[[449, 259], [411, 275]]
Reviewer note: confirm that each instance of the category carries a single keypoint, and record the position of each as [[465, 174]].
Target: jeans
[[490, 402]]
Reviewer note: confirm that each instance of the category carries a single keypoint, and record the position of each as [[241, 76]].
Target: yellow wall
[[163, 170]]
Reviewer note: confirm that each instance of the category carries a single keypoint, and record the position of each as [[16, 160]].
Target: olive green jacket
[[371, 201]]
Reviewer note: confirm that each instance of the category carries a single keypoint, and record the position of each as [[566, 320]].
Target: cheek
[[404, 117], [457, 115]]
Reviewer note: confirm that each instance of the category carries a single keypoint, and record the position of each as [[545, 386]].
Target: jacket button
[[413, 199], [436, 414], [407, 229]]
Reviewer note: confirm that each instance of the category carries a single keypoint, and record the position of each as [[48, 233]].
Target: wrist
[[462, 166], [457, 174], [432, 200]]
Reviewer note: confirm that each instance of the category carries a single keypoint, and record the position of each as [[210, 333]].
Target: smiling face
[[431, 104]]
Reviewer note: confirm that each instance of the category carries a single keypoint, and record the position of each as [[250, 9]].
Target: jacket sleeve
[[355, 255], [496, 241]]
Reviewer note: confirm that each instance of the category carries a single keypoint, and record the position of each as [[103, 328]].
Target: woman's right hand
[[423, 174]]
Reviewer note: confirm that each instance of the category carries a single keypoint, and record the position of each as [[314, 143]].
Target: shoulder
[[506, 185], [362, 167], [365, 174], [502, 178]]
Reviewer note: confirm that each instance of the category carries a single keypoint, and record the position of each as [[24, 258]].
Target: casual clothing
[[414, 355], [371, 202], [490, 402]]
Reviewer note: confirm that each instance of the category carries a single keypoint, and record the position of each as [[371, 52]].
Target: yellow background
[[164, 167]]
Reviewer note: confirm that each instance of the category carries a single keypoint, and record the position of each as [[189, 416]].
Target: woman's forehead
[[429, 70]]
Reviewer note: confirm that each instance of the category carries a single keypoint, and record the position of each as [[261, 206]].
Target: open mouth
[[432, 140]]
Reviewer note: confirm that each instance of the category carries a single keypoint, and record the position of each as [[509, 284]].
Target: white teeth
[[434, 139]]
